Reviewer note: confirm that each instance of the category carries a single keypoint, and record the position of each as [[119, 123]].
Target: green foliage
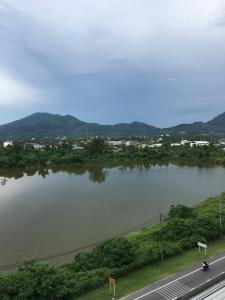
[[180, 211], [115, 253], [38, 281], [97, 147], [22, 154]]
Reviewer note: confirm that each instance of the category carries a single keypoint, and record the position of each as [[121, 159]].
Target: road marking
[[184, 276], [173, 290]]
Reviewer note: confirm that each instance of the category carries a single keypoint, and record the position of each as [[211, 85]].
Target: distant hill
[[216, 125], [49, 125]]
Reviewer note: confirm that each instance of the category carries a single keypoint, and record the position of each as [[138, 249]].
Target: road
[[182, 282]]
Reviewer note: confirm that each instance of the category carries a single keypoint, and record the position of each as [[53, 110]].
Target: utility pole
[[211, 133], [220, 213], [160, 236]]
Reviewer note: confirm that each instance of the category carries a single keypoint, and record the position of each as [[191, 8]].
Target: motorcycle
[[205, 266]]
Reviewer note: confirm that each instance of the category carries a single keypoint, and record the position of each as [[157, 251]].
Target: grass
[[154, 272]]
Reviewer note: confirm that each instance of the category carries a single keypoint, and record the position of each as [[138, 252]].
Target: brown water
[[51, 211]]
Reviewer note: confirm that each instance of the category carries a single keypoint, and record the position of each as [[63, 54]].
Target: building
[[38, 146], [199, 143], [185, 142], [155, 145], [7, 143], [77, 148], [221, 142], [131, 143], [115, 143]]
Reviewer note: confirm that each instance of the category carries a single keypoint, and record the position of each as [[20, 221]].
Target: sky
[[109, 61]]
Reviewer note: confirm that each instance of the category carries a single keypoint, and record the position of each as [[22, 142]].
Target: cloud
[[220, 21], [89, 57], [15, 93]]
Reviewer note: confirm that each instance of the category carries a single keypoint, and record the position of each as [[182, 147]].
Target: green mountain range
[[50, 125]]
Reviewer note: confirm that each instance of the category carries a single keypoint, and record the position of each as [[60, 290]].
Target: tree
[[180, 211], [97, 146]]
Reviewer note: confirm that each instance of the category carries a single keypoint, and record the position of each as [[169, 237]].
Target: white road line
[[184, 276], [173, 290]]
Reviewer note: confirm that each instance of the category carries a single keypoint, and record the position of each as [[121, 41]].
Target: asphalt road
[[182, 282]]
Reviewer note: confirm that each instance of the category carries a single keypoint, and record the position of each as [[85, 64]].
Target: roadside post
[[201, 245], [112, 287], [161, 219]]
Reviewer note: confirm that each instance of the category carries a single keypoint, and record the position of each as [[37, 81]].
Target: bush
[[180, 211], [37, 281]]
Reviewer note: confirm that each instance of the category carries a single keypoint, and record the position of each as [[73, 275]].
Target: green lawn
[[154, 272]]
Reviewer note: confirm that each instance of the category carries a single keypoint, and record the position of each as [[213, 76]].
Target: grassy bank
[[154, 272]]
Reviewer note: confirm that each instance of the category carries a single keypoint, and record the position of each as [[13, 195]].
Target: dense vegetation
[[20, 155], [181, 230], [43, 125]]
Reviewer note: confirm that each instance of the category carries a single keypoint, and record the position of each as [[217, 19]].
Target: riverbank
[[130, 254], [24, 156]]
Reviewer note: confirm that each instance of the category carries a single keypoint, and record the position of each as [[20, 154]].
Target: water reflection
[[71, 207], [97, 172]]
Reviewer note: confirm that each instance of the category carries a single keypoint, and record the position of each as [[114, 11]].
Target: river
[[46, 212]]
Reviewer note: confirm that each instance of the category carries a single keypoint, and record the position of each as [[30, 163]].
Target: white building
[[7, 143], [77, 148], [131, 143], [115, 143], [185, 142], [221, 142], [155, 145], [175, 145], [199, 143], [38, 146]]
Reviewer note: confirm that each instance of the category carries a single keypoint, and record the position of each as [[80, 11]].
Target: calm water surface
[[53, 211]]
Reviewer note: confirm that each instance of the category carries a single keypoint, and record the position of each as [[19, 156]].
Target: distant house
[[175, 144], [131, 143], [199, 143], [7, 143], [77, 148], [221, 142], [185, 142], [38, 146], [155, 145], [115, 143]]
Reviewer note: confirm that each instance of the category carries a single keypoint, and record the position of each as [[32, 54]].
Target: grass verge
[[154, 272]]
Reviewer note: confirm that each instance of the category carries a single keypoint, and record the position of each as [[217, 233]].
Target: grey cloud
[[90, 59], [220, 21]]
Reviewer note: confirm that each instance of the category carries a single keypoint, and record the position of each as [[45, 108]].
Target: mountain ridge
[[43, 124]]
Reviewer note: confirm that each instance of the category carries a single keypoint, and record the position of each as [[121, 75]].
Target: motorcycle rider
[[205, 265]]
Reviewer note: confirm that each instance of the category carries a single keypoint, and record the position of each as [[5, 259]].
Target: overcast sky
[[107, 61]]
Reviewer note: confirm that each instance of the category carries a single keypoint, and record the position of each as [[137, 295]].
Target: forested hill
[[50, 125]]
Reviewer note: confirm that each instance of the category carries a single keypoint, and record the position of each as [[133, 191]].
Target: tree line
[[21, 155]]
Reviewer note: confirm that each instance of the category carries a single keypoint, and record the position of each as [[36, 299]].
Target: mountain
[[218, 123], [49, 125]]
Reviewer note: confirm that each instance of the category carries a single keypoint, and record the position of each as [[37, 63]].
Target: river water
[[51, 211]]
